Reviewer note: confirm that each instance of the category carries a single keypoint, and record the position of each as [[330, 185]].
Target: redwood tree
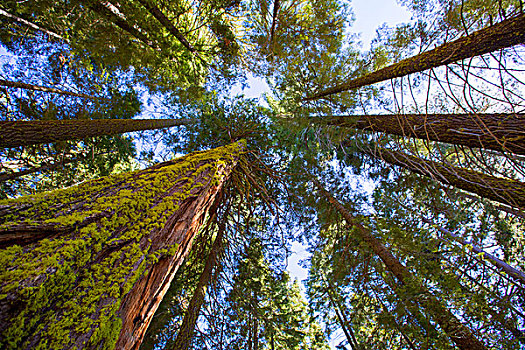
[[458, 333], [497, 131], [87, 266], [507, 33], [23, 133]]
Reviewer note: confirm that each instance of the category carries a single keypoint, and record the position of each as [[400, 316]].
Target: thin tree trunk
[[32, 25], [104, 8], [185, 334], [23, 133], [161, 17], [510, 271], [505, 34], [47, 167], [276, 5], [25, 86], [341, 317], [499, 132], [458, 333], [97, 279], [394, 321], [506, 191]]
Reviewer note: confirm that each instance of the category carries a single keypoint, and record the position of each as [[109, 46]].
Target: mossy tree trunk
[[457, 332], [499, 132], [14, 84], [23, 133], [86, 267], [506, 191], [507, 33]]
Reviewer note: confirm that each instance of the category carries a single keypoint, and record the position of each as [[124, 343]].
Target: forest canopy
[[145, 205]]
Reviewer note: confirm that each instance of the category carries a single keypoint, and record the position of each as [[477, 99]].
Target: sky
[[369, 15]]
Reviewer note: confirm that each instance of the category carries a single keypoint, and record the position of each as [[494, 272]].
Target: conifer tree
[[87, 266]]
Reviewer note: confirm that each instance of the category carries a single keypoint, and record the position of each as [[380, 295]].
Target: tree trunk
[[46, 167], [104, 9], [507, 33], [25, 86], [23, 133], [458, 333], [341, 317], [506, 191], [32, 25], [499, 132], [510, 271], [185, 334], [161, 17], [111, 250]]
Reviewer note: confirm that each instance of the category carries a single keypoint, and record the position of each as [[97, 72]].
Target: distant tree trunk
[[507, 33], [510, 271], [104, 9], [185, 334], [23, 133], [161, 17], [458, 333], [506, 191], [14, 84], [86, 267], [499, 132], [394, 321], [32, 25], [276, 6], [341, 317], [45, 167]]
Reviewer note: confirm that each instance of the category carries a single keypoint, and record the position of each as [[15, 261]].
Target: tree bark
[[24, 133], [510, 271], [97, 281], [458, 333], [499, 132], [25, 86], [506, 191], [161, 17], [32, 25], [103, 8], [185, 334], [505, 34]]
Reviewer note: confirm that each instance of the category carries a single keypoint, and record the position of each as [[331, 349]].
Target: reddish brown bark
[[187, 328], [458, 333], [97, 284], [507, 33], [506, 191], [23, 133], [499, 131]]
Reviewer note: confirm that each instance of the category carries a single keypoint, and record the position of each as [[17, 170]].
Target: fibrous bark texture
[[499, 131], [95, 273], [507, 33], [23, 133], [506, 191]]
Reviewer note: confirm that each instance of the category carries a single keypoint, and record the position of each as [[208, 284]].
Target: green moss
[[72, 286]]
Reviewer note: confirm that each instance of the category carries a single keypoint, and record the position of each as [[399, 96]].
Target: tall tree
[[87, 266], [507, 33], [506, 191], [457, 332], [21, 133], [499, 132]]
